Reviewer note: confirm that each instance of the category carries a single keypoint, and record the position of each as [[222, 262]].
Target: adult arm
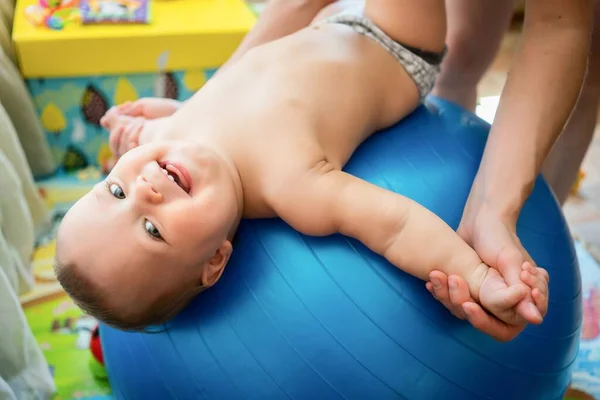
[[539, 95]]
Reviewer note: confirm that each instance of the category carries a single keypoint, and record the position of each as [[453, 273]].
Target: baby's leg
[[418, 24]]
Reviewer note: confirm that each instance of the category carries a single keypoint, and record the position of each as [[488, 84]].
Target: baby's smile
[[178, 174]]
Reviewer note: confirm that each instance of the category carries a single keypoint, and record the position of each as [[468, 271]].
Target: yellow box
[[182, 35]]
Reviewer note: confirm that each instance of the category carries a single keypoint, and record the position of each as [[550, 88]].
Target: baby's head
[[136, 249]]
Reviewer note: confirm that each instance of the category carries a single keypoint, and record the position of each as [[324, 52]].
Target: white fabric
[[24, 373]]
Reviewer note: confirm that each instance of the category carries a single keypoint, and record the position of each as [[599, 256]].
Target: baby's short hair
[[92, 301]]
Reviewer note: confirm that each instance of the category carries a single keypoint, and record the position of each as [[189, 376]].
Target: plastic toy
[[53, 14], [97, 359]]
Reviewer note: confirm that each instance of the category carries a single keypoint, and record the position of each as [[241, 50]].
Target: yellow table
[[182, 34]]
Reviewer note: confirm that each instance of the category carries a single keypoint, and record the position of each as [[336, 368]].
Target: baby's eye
[[151, 229], [116, 191]]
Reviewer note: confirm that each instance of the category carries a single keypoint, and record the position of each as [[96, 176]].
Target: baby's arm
[[326, 201], [407, 234]]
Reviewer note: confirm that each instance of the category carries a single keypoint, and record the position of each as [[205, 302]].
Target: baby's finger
[[511, 296], [124, 144], [108, 119], [124, 107], [135, 109], [536, 271], [129, 135], [532, 281], [537, 281], [529, 311], [530, 268], [134, 133], [114, 140]]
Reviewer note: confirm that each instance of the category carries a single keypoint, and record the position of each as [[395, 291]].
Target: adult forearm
[[538, 98]]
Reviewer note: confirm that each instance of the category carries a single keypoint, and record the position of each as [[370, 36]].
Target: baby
[[268, 137]]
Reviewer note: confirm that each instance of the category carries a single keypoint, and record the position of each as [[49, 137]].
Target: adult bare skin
[[543, 87]]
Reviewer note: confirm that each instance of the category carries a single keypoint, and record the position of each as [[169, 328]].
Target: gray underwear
[[422, 66]]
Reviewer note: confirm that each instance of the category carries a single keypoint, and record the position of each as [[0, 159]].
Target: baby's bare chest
[[328, 97]]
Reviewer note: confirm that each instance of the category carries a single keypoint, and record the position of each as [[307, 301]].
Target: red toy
[[96, 347]]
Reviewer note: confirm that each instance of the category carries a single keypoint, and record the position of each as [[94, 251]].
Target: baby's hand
[[537, 279], [501, 300], [124, 131]]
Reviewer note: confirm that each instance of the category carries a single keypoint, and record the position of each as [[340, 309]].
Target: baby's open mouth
[[175, 175]]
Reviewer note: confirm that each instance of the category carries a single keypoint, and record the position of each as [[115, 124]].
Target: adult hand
[[452, 291], [495, 240]]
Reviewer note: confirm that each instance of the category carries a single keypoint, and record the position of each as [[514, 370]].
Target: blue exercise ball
[[297, 317]]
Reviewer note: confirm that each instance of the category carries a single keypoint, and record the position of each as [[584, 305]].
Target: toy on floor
[[324, 318]]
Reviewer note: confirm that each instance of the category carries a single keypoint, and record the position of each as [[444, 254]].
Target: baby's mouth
[[175, 175]]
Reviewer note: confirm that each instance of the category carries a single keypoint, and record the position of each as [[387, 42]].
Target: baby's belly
[[327, 81], [329, 84]]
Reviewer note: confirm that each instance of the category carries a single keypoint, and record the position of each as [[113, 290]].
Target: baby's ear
[[214, 267]]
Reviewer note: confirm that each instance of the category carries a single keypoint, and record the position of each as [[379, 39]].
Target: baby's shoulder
[[268, 175]]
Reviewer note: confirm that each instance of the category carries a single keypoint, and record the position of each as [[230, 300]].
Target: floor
[[582, 210]]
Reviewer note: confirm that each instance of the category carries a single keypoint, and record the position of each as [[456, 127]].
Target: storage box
[[77, 73]]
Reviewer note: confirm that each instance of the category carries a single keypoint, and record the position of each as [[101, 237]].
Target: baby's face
[[161, 215]]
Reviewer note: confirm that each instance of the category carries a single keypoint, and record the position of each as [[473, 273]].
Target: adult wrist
[[505, 201]]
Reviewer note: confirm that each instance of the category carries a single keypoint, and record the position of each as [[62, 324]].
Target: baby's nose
[[146, 190]]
